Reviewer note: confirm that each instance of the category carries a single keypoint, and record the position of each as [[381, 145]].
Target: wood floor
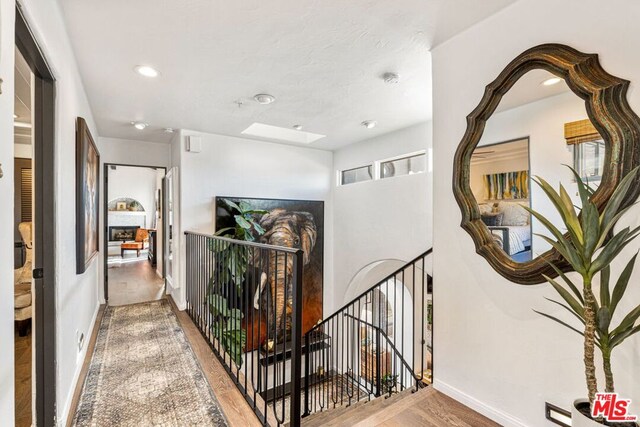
[[23, 380], [134, 282], [233, 405], [427, 408]]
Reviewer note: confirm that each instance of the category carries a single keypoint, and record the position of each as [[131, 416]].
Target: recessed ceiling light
[[369, 124], [264, 98], [139, 125], [552, 81], [147, 71], [391, 78], [168, 130], [297, 127]]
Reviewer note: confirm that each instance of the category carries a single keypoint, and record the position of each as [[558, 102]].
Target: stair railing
[[380, 342], [236, 294]]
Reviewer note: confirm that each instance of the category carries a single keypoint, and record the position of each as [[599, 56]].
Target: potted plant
[[389, 382], [231, 265], [590, 246]]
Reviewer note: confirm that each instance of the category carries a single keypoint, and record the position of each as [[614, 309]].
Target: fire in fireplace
[[122, 233]]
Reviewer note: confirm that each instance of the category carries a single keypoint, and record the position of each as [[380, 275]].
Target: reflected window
[[404, 166], [588, 159], [588, 149], [351, 176]]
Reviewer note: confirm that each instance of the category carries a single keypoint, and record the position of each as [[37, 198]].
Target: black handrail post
[[296, 344], [378, 379], [306, 374]]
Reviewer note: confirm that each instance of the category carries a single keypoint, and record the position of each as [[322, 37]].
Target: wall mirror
[[551, 106]]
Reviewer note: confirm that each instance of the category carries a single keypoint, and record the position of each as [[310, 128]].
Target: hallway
[[134, 282], [149, 365], [143, 372]]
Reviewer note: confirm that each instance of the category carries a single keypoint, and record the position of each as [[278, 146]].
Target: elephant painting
[[292, 224]]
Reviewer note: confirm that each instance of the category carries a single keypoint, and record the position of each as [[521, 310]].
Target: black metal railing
[[379, 343], [246, 300]]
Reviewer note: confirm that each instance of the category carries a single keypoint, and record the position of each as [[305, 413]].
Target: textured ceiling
[[321, 59]]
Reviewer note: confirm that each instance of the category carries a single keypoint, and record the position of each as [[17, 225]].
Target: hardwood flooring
[[233, 405], [427, 407], [134, 282], [23, 380]]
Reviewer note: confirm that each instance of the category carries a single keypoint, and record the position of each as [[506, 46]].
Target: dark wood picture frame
[[606, 103], [87, 197]]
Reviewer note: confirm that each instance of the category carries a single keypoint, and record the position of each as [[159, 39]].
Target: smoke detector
[[391, 78], [264, 98]]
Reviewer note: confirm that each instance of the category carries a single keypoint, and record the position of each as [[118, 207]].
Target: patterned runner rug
[[144, 373]]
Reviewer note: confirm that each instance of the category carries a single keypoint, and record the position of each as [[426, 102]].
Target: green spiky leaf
[[621, 285]]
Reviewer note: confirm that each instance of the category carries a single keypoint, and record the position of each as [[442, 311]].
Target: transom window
[[360, 174], [403, 166]]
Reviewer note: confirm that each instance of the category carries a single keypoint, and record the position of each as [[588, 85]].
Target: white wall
[[127, 152], [229, 166], [133, 152], [7, 19], [23, 151], [138, 183], [76, 299], [382, 219], [492, 351]]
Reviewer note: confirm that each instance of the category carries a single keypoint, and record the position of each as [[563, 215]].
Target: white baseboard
[[496, 415], [62, 417]]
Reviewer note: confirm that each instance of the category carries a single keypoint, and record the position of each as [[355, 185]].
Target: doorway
[[134, 234], [34, 252]]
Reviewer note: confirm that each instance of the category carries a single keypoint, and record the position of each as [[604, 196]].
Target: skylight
[[282, 134]]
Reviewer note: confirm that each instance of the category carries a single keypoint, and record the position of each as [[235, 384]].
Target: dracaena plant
[[590, 246], [231, 265]]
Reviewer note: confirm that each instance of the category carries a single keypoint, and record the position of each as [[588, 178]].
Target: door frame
[[44, 287], [106, 221]]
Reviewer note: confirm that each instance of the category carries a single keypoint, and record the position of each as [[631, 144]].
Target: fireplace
[[122, 233]]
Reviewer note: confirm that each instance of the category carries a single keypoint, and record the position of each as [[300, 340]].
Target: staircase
[[426, 407], [372, 353], [380, 345]]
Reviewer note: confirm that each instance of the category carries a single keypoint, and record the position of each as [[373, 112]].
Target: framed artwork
[[506, 186], [121, 206], [309, 215], [87, 197]]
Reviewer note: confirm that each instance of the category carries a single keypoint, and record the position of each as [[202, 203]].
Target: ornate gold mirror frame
[[607, 107]]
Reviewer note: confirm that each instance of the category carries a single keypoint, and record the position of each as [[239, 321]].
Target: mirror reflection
[[539, 126]]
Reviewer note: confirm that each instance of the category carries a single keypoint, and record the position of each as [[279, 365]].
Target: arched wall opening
[[400, 304]]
